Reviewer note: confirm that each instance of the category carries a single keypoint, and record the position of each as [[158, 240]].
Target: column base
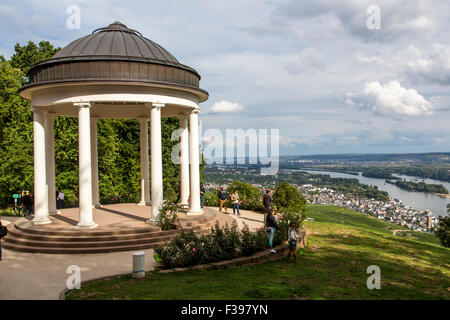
[[194, 212], [145, 203], [98, 205], [152, 221], [45, 220], [84, 226], [184, 207], [58, 211], [54, 212]]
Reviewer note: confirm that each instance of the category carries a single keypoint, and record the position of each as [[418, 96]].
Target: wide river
[[416, 200]]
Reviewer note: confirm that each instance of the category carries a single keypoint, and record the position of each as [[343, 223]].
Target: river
[[416, 200]]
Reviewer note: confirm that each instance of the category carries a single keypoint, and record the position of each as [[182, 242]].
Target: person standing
[[27, 205], [178, 191], [61, 199], [223, 195], [273, 226], [267, 202], [292, 240], [202, 194], [3, 232], [235, 201]]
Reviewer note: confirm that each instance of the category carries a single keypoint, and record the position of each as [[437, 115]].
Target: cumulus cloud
[[224, 106], [390, 99]]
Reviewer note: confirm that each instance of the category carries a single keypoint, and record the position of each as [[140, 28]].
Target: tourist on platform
[[60, 199], [202, 194], [223, 195], [235, 201], [3, 232], [292, 240], [267, 202], [273, 226], [27, 205], [178, 191]]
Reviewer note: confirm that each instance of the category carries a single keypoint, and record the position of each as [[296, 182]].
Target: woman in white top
[[235, 201]]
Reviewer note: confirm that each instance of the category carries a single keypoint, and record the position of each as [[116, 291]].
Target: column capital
[[51, 115], [143, 119], [158, 105], [182, 115], [82, 104], [195, 111]]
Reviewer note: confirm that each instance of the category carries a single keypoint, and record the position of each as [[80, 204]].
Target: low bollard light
[[139, 264]]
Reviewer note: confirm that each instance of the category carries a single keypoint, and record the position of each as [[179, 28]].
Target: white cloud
[[390, 99], [224, 106]]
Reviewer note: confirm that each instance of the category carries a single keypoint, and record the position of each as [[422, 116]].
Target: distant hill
[[442, 157]]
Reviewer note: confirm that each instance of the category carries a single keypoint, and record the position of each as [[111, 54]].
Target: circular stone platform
[[121, 227]]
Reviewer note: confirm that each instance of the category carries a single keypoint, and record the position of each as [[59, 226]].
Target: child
[[292, 239]]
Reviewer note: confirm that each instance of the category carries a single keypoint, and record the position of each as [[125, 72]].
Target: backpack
[[3, 232]]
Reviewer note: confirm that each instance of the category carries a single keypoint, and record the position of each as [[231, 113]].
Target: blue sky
[[312, 69]]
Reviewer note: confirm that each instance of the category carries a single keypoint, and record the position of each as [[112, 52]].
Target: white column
[[84, 169], [145, 180], [50, 161], [94, 160], [156, 159], [184, 160], [195, 165], [40, 172]]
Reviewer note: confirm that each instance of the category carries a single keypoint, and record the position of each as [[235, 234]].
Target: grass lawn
[[341, 245]]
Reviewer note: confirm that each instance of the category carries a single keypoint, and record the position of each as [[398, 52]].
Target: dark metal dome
[[116, 41], [117, 53]]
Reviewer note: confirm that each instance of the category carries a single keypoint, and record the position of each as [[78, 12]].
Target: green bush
[[252, 242], [168, 216], [443, 231], [211, 199], [250, 196], [290, 206], [222, 243]]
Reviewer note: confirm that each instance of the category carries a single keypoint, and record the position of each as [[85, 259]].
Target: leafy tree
[[288, 198], [30, 54], [249, 195], [291, 206], [443, 230]]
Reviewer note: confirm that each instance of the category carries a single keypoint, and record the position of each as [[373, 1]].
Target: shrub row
[[222, 243]]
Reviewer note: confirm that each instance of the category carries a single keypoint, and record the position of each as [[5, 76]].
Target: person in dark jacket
[[272, 225], [223, 195], [3, 232], [267, 202], [202, 194], [27, 205]]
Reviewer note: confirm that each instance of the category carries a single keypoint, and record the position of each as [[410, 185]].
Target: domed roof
[[114, 53], [116, 42]]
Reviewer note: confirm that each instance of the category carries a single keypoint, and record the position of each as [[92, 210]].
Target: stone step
[[50, 250], [81, 238], [86, 233], [85, 244]]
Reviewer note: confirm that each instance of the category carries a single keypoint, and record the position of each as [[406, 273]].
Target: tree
[[30, 54], [443, 230], [288, 198]]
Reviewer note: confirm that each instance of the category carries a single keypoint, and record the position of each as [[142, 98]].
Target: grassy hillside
[[341, 245]]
